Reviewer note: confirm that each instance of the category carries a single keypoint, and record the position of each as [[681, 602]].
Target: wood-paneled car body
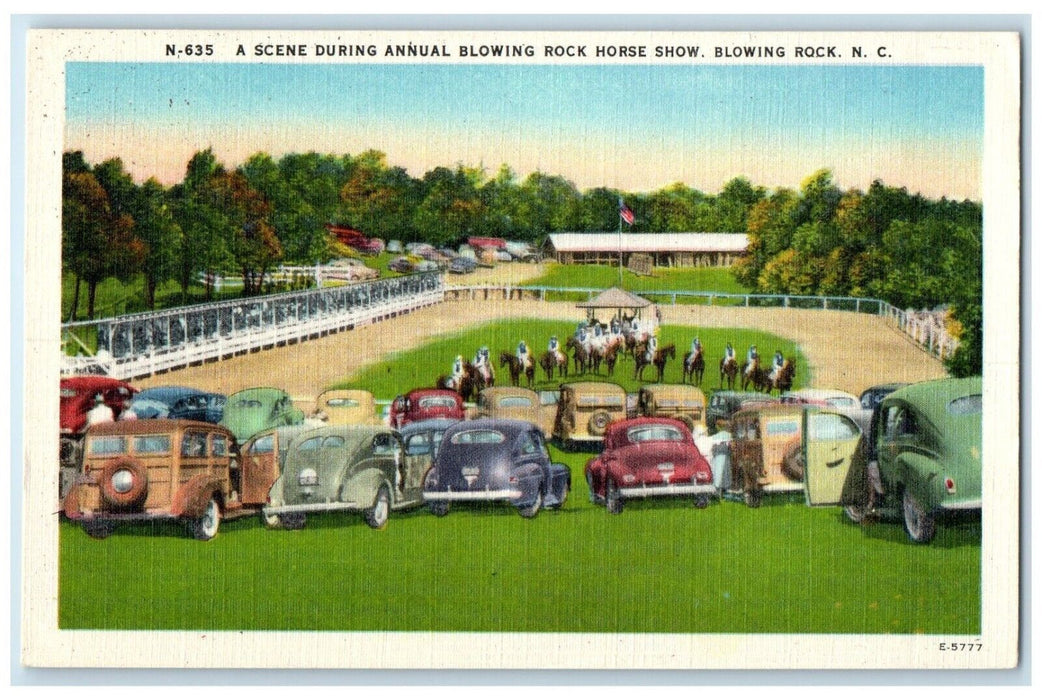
[[495, 460], [158, 469], [250, 411], [516, 403], [765, 450], [649, 458], [76, 398], [681, 401], [347, 468], [585, 409], [924, 462], [423, 404]]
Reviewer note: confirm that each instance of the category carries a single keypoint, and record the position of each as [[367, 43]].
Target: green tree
[[451, 209]]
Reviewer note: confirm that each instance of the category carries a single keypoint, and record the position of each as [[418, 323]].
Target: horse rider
[[729, 354], [776, 367], [750, 360], [696, 347], [480, 363], [649, 354], [555, 348], [457, 372], [523, 356], [100, 413]]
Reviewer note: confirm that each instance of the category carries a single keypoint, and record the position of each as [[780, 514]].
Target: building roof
[[650, 242], [615, 298]]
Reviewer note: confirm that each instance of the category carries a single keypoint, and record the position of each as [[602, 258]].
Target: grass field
[[694, 279], [661, 566]]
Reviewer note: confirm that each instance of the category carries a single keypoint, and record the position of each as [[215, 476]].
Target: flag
[[625, 212]]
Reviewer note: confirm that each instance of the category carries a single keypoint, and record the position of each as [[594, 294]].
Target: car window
[[477, 437], [783, 426], [599, 400], [966, 405], [263, 445], [151, 444], [107, 445], [648, 433], [437, 402], [333, 441], [384, 444], [841, 402], [907, 423], [418, 444], [310, 444], [515, 402], [248, 403], [832, 427], [67, 393], [527, 445], [219, 444], [148, 408], [193, 444], [342, 403]]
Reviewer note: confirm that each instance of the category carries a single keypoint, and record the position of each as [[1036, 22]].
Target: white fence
[[138, 345]]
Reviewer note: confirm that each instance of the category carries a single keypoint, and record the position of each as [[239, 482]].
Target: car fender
[[918, 473], [361, 488], [71, 503], [277, 494], [531, 479], [191, 499]]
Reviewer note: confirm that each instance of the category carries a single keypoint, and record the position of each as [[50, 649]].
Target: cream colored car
[[585, 409]]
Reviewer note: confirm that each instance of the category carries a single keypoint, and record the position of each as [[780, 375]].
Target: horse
[[579, 355], [755, 375], [610, 358], [784, 379], [467, 385], [507, 359], [694, 367], [551, 361], [661, 355], [728, 369]]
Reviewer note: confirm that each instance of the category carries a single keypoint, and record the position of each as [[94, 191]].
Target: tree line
[[885, 243]]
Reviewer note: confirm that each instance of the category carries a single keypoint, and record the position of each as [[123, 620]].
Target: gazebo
[[617, 299]]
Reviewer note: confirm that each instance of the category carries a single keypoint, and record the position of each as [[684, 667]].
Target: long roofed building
[[665, 249]]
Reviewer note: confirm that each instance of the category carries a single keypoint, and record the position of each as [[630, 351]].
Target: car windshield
[[249, 403], [67, 393], [599, 400], [478, 437], [649, 433], [965, 405], [515, 402], [437, 402], [342, 403], [149, 408], [841, 401]]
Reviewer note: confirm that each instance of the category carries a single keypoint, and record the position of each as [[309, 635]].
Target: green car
[[250, 411], [353, 468], [921, 462]]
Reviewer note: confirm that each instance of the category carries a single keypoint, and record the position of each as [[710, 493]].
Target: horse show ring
[[844, 350]]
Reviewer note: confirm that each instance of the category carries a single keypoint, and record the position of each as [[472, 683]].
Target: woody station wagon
[[685, 403], [585, 409], [765, 448]]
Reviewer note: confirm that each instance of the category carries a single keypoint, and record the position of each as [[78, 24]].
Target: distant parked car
[[347, 407], [149, 470], [350, 269], [927, 457], [516, 403], [723, 404], [503, 256], [831, 398], [425, 266], [495, 460], [585, 409], [421, 404], [681, 401], [177, 402], [424, 437], [400, 265], [462, 266], [249, 411], [765, 451], [647, 458], [352, 468], [394, 246]]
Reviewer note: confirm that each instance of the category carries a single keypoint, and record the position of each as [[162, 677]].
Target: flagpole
[[620, 243]]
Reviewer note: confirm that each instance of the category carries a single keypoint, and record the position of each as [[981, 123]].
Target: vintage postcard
[[521, 350]]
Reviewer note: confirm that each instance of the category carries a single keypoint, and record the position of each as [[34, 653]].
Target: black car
[[462, 266], [495, 460], [400, 265], [177, 402], [873, 396]]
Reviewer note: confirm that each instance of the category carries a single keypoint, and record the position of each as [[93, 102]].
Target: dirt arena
[[844, 350]]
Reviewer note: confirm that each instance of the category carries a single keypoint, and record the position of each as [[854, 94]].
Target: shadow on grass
[[952, 531]]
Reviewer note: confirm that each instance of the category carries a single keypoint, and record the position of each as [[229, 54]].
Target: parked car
[[649, 458], [422, 404], [462, 265], [350, 269], [402, 265], [157, 469], [765, 451], [176, 402], [723, 404], [585, 409], [394, 246], [495, 460], [249, 411], [925, 463], [76, 397], [347, 407], [831, 398], [871, 398], [425, 266], [681, 401], [424, 437], [350, 468], [263, 457], [516, 403]]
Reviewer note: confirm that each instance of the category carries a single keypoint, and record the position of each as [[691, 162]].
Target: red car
[[422, 404], [645, 458]]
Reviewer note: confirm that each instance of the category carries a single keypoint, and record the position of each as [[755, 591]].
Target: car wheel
[[376, 517], [530, 511], [612, 498], [562, 499], [753, 499], [701, 501], [99, 530], [598, 422], [439, 508], [589, 484], [293, 521], [856, 514], [272, 521], [205, 527], [920, 525]]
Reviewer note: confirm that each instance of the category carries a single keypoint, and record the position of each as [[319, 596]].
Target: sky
[[636, 128]]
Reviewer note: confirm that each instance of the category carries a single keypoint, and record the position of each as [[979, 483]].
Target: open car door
[[833, 458]]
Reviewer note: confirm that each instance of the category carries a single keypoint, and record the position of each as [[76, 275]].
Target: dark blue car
[[495, 460], [178, 402]]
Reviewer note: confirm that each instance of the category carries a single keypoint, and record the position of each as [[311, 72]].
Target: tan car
[[516, 403], [158, 469], [765, 451], [585, 409], [347, 407], [680, 401]]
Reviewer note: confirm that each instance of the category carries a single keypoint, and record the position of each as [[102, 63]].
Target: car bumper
[[105, 516], [958, 506], [668, 490], [488, 495], [309, 508]]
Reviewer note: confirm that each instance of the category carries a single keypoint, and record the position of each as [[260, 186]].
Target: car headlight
[[308, 477], [122, 481]]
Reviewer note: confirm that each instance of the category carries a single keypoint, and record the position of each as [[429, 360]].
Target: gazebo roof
[[615, 298]]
